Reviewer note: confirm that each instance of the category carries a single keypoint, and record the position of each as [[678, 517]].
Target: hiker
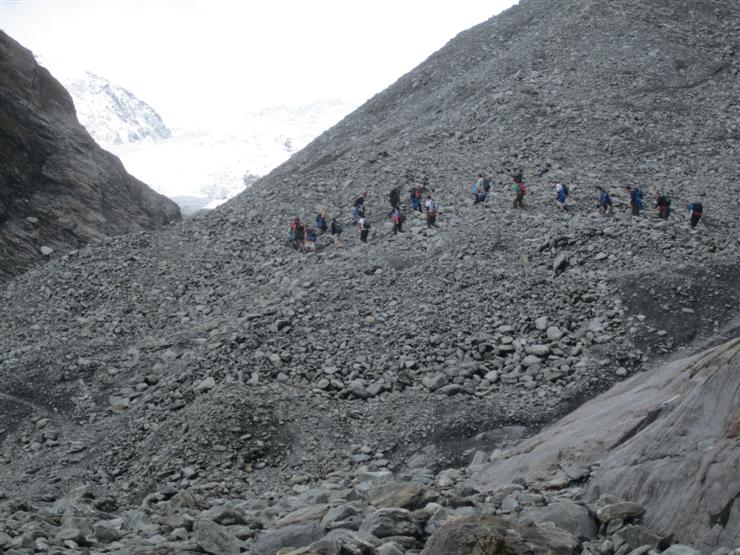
[[321, 221], [477, 186], [364, 226], [636, 202], [358, 207], [431, 207], [697, 211], [336, 231], [486, 183], [561, 195], [395, 197], [311, 238], [480, 189], [397, 219], [663, 204], [518, 176], [605, 201], [519, 192], [520, 189], [297, 234], [416, 197]]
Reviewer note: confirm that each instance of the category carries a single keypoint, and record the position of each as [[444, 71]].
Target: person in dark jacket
[[697, 211], [605, 201], [636, 200], [364, 227], [336, 231], [663, 204]]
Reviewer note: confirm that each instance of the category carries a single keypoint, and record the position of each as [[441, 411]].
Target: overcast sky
[[194, 60]]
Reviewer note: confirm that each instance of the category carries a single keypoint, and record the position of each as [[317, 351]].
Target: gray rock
[[489, 534], [620, 511], [435, 381], [638, 536], [312, 513], [571, 517], [206, 385], [678, 549], [391, 548], [538, 350], [225, 515], [384, 523], [214, 538], [560, 262], [299, 535], [72, 534], [554, 333]]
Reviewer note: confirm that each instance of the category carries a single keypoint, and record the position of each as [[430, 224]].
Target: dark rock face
[[58, 189]]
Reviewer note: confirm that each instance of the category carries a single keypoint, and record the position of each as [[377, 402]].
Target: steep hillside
[[58, 189], [218, 391], [599, 93]]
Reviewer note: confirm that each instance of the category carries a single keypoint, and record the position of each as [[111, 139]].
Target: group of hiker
[[482, 186], [304, 237]]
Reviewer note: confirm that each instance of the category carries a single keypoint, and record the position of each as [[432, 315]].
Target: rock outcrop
[[668, 439], [58, 189]]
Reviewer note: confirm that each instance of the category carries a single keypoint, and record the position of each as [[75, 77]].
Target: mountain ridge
[[113, 115]]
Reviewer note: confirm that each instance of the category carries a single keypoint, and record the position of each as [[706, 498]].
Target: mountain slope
[[58, 189], [208, 369], [113, 115]]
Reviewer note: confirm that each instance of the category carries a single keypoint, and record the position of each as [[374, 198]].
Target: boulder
[[312, 513], [409, 495], [384, 523], [622, 511], [571, 517], [295, 536], [338, 542], [214, 539], [490, 535]]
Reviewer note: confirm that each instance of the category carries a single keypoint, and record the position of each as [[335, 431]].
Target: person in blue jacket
[[605, 201], [636, 200]]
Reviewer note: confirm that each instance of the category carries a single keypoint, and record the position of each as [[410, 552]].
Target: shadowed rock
[[58, 189]]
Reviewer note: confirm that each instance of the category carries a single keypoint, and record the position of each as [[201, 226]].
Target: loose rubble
[[208, 389]]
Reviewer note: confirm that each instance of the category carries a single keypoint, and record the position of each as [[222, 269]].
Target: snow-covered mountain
[[198, 168], [112, 114], [217, 163]]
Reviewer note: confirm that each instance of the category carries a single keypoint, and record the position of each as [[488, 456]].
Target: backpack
[[486, 184], [565, 189], [697, 208]]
